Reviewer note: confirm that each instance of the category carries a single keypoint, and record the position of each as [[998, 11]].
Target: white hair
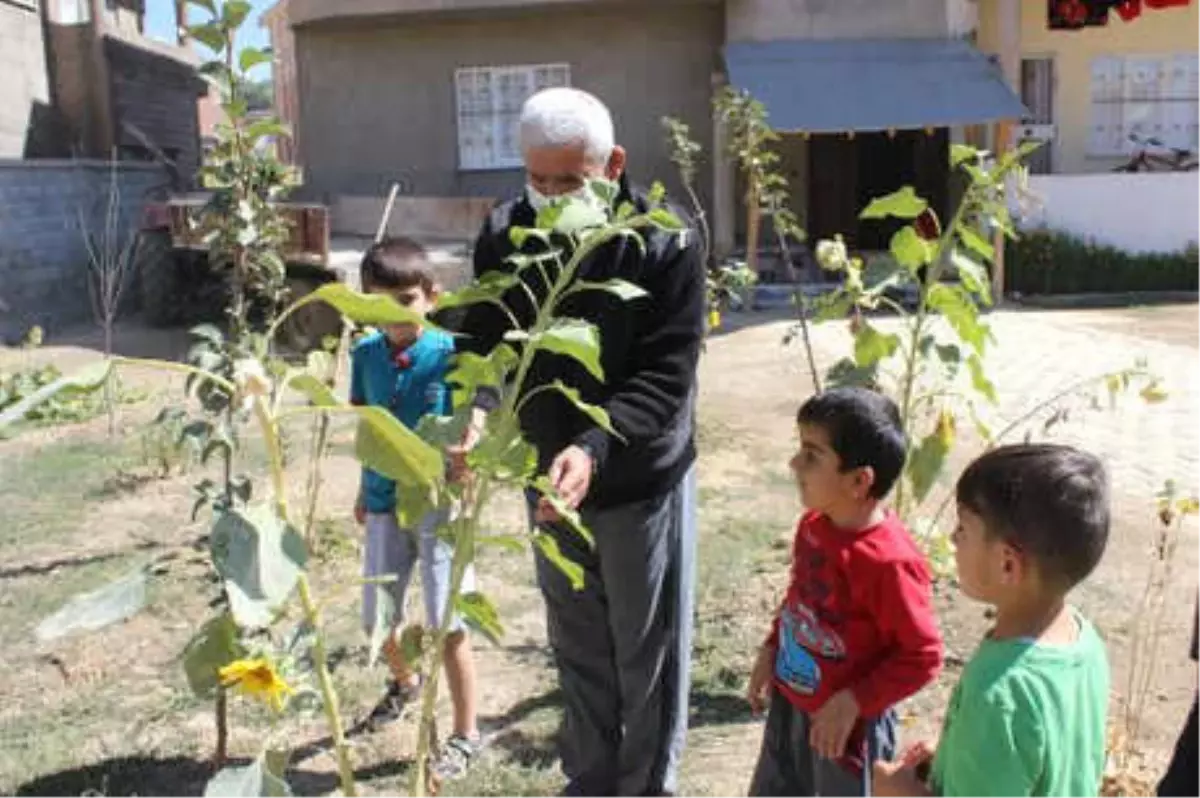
[[564, 117]]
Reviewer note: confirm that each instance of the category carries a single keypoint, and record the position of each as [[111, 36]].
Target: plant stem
[[464, 552], [221, 716], [312, 612], [329, 696]]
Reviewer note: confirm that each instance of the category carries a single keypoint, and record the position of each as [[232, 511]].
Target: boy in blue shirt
[[403, 367]]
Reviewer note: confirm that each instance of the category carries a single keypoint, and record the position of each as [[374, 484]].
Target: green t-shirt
[[1027, 719]]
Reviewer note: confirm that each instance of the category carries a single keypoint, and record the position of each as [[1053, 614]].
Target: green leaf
[[657, 193], [86, 612], [370, 309], [412, 643], [961, 313], [848, 374], [214, 646], [976, 243], [490, 287], [872, 346], [471, 371], [315, 389], [962, 153], [949, 354], [973, 276], [250, 781], [925, 465], [605, 189], [597, 414], [664, 219], [480, 614], [413, 503], [979, 379], [86, 380], [265, 128], [385, 619], [210, 35], [622, 289], [569, 517], [503, 451], [234, 13], [519, 235], [260, 557], [442, 431], [210, 333], [910, 250], [548, 547], [834, 306], [902, 204], [251, 57], [573, 338], [391, 449]]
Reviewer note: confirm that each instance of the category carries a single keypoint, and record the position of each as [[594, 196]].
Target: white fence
[[1142, 212]]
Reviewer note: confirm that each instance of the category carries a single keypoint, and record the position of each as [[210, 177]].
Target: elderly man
[[622, 644]]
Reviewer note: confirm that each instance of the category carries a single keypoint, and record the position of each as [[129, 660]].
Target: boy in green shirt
[[1028, 716]]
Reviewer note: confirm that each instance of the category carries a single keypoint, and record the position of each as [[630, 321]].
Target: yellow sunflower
[[714, 319], [258, 678]]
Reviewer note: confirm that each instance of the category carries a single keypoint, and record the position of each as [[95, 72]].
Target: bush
[[1051, 262]]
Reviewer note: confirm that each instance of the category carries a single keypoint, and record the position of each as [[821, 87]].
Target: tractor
[[177, 285]]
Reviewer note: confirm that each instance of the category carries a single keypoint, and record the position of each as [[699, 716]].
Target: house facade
[[89, 82], [426, 93]]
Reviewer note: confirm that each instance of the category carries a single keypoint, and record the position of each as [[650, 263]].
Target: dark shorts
[[788, 766], [1182, 779]]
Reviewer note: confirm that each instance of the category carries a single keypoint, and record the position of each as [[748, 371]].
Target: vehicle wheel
[[159, 281], [306, 329]]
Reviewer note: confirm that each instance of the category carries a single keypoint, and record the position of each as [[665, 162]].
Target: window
[[1143, 96], [489, 110]]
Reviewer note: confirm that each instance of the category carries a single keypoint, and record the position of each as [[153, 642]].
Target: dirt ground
[[111, 713]]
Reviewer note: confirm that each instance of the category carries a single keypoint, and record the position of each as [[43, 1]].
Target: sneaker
[[391, 707], [456, 756]]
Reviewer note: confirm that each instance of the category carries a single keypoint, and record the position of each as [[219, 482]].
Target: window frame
[[495, 161]]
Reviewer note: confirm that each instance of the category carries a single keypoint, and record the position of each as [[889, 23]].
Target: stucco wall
[[379, 101], [761, 20], [1155, 32], [1136, 212], [25, 86], [43, 260]]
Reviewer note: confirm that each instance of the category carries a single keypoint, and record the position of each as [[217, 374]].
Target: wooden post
[[1009, 26]]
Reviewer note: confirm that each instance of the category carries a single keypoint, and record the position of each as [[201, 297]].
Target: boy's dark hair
[[396, 262], [864, 429], [1050, 501]]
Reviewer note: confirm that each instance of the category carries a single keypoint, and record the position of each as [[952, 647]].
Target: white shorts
[[395, 551]]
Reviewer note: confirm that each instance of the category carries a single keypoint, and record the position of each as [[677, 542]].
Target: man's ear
[[616, 164]]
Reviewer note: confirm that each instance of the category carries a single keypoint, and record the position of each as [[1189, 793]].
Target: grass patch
[[42, 488]]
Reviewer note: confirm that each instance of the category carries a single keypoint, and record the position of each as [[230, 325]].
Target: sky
[[160, 23]]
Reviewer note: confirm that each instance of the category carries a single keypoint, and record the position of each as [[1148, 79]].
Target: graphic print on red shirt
[[857, 616]]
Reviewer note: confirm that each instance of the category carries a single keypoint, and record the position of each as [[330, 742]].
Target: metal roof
[[829, 86]]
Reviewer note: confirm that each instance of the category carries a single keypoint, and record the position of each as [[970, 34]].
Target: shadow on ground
[[141, 775]]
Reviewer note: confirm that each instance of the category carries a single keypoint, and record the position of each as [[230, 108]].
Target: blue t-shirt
[[410, 389]]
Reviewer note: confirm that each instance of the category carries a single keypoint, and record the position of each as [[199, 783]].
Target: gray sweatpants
[[623, 644]]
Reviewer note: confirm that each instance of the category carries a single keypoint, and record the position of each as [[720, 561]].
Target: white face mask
[[584, 193]]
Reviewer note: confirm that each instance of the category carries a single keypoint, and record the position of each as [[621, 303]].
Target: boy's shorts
[[392, 550], [787, 765]]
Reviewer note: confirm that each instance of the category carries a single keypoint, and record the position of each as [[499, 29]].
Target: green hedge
[[1051, 262]]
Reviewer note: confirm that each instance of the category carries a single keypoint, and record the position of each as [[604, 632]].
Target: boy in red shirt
[[855, 634]]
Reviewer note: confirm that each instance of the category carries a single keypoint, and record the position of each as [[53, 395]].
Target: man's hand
[[759, 691], [456, 455], [833, 723], [898, 779], [360, 512], [571, 475]]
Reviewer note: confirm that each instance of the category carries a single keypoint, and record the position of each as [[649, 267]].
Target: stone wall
[[43, 258]]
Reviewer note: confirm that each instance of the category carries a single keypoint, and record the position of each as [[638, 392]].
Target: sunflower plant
[[265, 639]]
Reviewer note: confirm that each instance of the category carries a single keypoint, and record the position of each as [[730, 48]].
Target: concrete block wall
[[43, 258]]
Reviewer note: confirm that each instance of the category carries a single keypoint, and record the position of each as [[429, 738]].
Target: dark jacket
[[650, 348]]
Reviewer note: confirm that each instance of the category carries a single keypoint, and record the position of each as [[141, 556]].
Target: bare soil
[[110, 712]]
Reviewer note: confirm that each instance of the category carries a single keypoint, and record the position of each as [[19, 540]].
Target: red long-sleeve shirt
[[857, 616]]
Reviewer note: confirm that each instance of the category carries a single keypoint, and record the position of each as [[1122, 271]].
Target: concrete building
[[868, 94], [90, 82], [1089, 88]]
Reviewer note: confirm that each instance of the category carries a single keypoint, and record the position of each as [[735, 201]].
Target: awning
[[832, 86]]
